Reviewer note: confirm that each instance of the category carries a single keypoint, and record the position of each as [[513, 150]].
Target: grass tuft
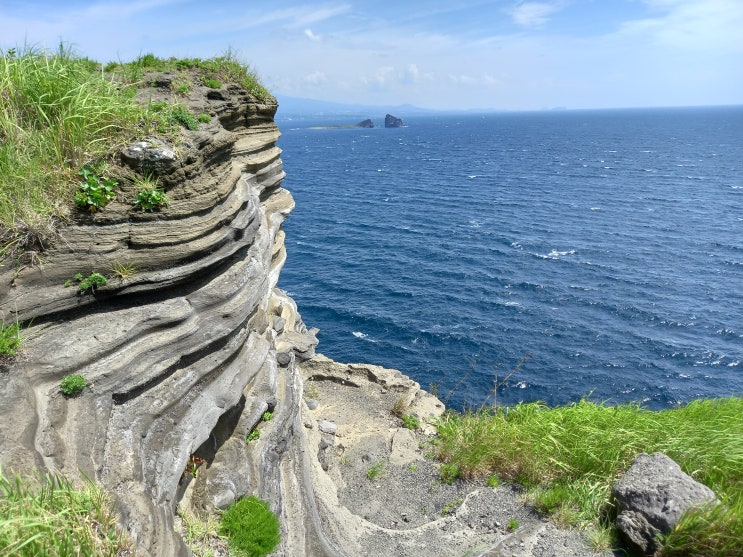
[[52, 518]]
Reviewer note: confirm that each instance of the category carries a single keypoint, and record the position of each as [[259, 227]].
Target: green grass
[[251, 528], [61, 112], [54, 519], [569, 457], [10, 339]]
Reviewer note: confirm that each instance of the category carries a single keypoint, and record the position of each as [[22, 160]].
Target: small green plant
[[512, 525], [72, 384], [179, 115], [250, 527], [253, 435], [451, 506], [449, 473], [493, 481], [95, 192], [204, 118], [413, 468], [212, 83], [122, 270], [151, 199], [91, 282], [10, 339], [267, 416], [376, 471], [411, 421]]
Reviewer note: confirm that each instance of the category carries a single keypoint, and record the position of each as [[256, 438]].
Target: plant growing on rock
[[151, 199], [376, 471], [123, 270], [10, 339], [73, 384], [91, 282], [267, 416], [251, 528], [411, 421], [95, 192], [253, 435]]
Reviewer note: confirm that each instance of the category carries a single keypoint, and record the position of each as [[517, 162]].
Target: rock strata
[[651, 497]]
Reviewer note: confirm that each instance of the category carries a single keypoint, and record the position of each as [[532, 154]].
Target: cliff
[[182, 357]]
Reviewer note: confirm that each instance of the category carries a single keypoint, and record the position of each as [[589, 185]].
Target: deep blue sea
[[592, 253]]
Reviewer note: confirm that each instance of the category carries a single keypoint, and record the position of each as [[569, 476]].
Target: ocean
[[542, 256]]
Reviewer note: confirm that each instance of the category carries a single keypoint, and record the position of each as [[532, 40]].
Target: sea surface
[[555, 255]]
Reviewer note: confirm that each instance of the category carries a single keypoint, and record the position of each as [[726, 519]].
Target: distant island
[[391, 121]]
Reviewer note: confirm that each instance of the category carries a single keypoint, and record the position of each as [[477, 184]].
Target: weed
[[267, 416], [449, 473], [400, 406], [212, 83], [451, 506], [151, 199], [411, 421], [192, 466], [51, 517], [122, 270], [95, 192], [89, 283], [376, 472], [251, 528], [512, 525], [178, 114], [10, 339], [493, 481], [253, 435], [200, 531], [204, 118], [413, 468], [433, 388], [73, 384]]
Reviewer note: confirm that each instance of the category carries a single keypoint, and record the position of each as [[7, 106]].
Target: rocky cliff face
[[182, 357]]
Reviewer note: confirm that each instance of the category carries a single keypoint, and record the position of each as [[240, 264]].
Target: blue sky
[[502, 54]]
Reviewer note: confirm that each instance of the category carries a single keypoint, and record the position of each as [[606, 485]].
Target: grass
[[251, 528], [201, 532], [570, 457], [376, 472], [10, 339], [62, 112], [52, 518]]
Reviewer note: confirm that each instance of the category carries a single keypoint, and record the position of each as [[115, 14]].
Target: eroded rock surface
[[180, 357]]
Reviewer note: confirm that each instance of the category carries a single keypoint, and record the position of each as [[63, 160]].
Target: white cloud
[[316, 78], [311, 36], [533, 14]]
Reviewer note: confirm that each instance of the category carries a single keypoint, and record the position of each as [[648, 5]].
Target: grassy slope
[[569, 457]]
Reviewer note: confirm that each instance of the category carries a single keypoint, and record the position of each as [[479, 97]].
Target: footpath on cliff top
[[379, 488]]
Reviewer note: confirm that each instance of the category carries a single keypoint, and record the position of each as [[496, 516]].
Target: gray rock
[[151, 156], [327, 427], [651, 497]]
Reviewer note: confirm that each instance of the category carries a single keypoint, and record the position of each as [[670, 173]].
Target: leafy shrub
[[10, 339], [95, 192], [251, 528], [151, 199], [72, 384]]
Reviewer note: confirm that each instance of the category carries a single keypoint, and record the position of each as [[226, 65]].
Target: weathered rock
[[181, 357], [651, 497], [391, 121]]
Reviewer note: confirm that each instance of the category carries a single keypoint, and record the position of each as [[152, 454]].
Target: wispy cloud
[[533, 14], [311, 36]]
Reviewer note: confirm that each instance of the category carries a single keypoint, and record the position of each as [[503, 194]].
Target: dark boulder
[[365, 124], [391, 121], [651, 497]]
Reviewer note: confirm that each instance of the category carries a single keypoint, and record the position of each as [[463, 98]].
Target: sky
[[464, 54]]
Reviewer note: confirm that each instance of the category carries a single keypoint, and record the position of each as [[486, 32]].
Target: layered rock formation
[[181, 357]]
